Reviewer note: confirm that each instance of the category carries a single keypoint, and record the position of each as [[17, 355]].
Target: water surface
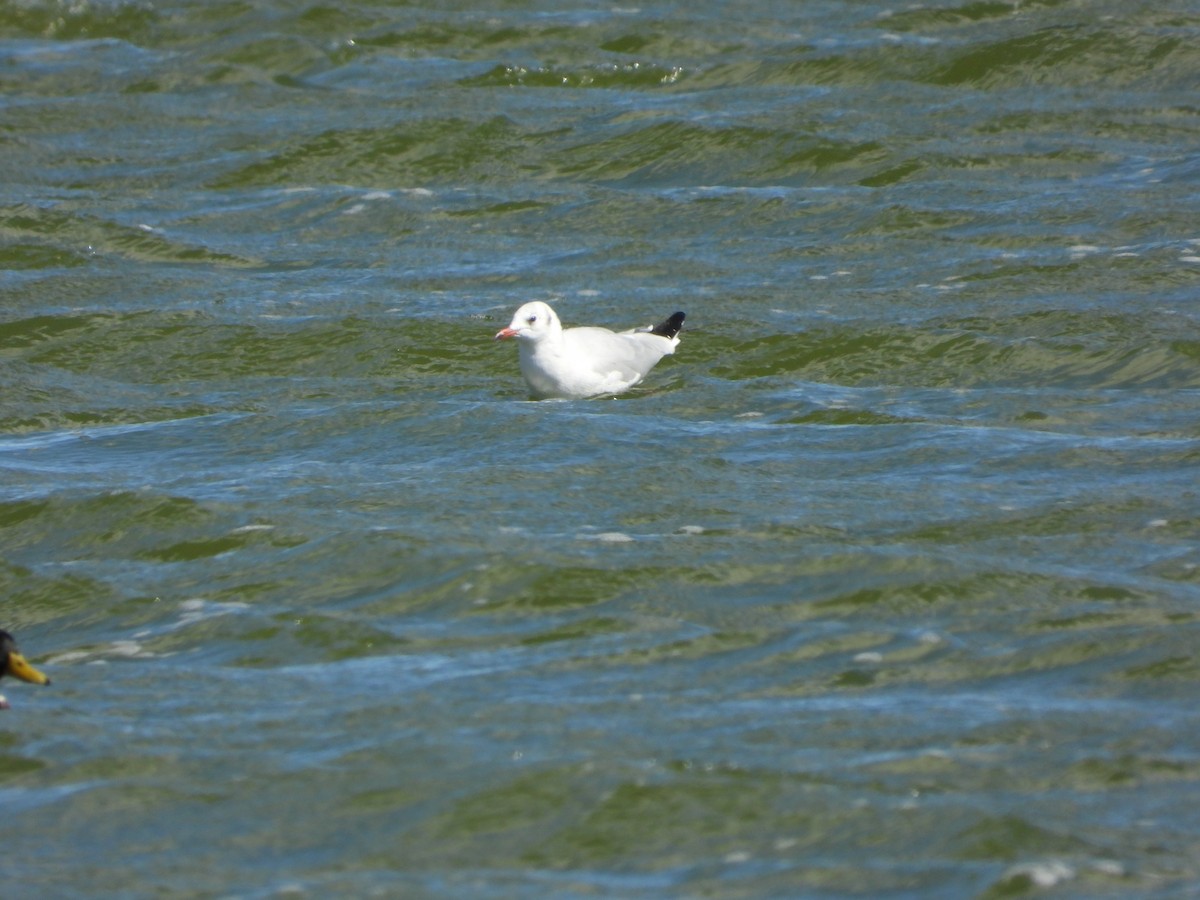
[[884, 585]]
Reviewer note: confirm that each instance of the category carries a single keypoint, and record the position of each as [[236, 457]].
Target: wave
[[52, 237], [662, 153], [1061, 349]]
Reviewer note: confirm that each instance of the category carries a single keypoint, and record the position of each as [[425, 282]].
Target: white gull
[[574, 363]]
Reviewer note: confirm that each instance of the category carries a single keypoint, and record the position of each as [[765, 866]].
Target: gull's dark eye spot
[[532, 319]]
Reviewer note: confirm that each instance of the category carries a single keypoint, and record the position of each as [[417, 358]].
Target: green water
[[885, 584]]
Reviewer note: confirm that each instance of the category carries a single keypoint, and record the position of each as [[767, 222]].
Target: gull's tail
[[669, 327]]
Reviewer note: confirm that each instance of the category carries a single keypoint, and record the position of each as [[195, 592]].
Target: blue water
[[885, 584]]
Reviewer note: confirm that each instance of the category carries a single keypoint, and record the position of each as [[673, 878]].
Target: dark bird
[[14, 664]]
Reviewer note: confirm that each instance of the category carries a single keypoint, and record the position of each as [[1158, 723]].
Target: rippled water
[[884, 585]]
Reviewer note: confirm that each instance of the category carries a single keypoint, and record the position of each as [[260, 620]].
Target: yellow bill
[[18, 667]]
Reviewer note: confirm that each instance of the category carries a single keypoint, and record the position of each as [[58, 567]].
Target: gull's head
[[532, 322]]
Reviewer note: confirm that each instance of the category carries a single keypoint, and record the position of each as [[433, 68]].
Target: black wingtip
[[669, 327]]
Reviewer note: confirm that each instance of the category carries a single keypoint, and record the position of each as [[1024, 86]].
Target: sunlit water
[[884, 585]]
